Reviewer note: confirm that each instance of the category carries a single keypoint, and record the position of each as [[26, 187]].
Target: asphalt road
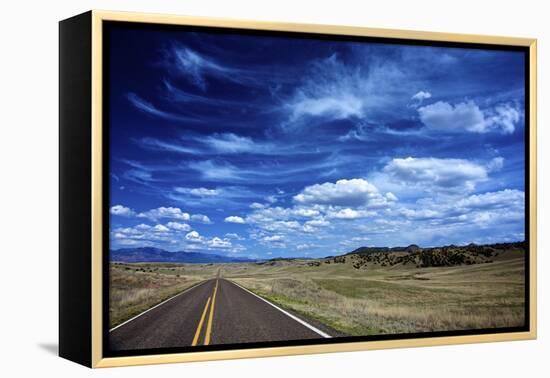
[[216, 311]]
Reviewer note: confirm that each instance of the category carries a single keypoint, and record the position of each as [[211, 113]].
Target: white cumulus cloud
[[495, 164], [234, 219], [505, 199], [504, 118], [217, 242], [354, 192], [164, 212], [193, 236], [178, 226], [235, 236], [317, 223], [453, 175], [467, 116], [122, 211], [273, 238], [391, 197], [348, 213], [256, 205], [305, 212], [419, 97], [198, 192], [201, 218], [161, 228], [338, 107]]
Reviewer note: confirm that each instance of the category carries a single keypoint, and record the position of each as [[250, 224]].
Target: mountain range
[[151, 254]]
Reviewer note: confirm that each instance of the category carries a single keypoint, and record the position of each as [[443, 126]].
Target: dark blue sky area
[[268, 146]]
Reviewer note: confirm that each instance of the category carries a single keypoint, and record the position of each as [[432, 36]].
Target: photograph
[[274, 188]]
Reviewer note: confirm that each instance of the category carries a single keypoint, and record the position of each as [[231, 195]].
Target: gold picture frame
[[95, 20]]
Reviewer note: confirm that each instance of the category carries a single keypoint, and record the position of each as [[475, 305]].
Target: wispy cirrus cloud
[[219, 170], [226, 143], [137, 172], [160, 145], [199, 68], [146, 174], [232, 143], [335, 89], [332, 90], [149, 108], [179, 95], [177, 101], [227, 197], [365, 132], [361, 132], [195, 67]]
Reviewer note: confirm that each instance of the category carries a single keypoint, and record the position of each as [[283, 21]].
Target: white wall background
[[28, 186]]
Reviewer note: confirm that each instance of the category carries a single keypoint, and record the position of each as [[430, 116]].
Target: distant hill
[[370, 250], [150, 254], [450, 255]]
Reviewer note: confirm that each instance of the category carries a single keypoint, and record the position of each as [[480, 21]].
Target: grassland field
[[373, 299]]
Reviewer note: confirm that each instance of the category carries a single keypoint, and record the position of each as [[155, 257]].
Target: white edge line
[[316, 330], [160, 304]]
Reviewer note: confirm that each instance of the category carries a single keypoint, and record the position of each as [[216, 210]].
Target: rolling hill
[[450, 255]]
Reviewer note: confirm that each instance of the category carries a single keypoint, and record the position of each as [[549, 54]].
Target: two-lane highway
[[216, 311]]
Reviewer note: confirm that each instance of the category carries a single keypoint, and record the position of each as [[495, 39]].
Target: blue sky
[[256, 146]]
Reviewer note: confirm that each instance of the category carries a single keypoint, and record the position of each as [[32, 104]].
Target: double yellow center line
[[210, 317]]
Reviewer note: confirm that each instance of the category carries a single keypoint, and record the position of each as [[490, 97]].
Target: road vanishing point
[[216, 311]]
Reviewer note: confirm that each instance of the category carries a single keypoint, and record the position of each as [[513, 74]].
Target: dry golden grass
[[136, 287], [366, 301], [394, 299]]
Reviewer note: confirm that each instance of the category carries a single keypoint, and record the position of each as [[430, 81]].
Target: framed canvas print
[[235, 189]]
